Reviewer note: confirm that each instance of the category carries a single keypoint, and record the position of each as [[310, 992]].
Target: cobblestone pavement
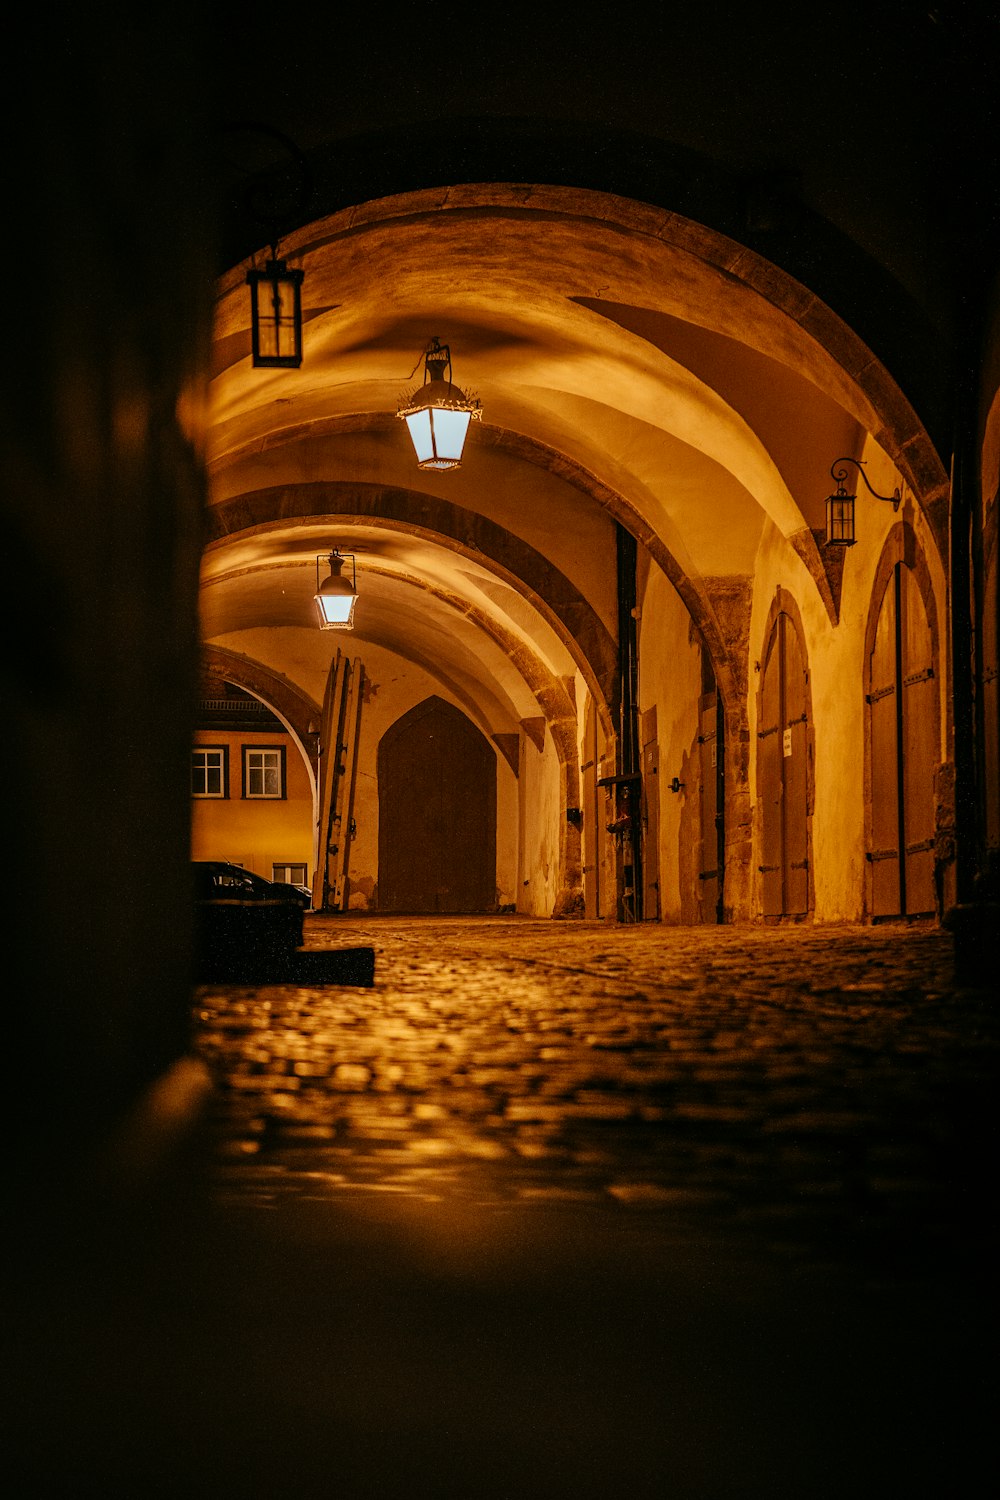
[[554, 1211], [824, 1091]]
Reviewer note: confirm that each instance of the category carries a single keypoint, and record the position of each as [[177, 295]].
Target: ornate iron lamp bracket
[[840, 475]]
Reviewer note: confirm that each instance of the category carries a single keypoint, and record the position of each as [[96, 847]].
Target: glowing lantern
[[336, 596], [438, 414]]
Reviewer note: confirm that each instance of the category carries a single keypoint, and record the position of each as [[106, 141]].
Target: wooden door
[[710, 755], [794, 767], [651, 832], [592, 804], [437, 787], [783, 774], [902, 726], [919, 747], [883, 737]]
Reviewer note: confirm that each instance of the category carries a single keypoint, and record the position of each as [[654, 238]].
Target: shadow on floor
[[341, 966]]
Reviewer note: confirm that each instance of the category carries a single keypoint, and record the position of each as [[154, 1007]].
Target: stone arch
[[732, 288], [463, 531], [478, 536], [294, 708], [792, 318], [691, 192]]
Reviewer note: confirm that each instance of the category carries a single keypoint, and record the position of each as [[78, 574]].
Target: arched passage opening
[[253, 770], [493, 587]]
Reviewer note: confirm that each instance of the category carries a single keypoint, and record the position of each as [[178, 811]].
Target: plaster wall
[[670, 682], [540, 814]]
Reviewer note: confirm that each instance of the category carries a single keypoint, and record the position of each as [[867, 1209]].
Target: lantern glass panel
[[840, 520], [336, 611], [450, 428], [277, 312], [421, 434]]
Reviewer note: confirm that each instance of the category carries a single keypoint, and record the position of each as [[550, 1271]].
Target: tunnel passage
[[437, 782]]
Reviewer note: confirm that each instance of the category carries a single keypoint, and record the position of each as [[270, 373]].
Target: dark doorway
[[437, 799]]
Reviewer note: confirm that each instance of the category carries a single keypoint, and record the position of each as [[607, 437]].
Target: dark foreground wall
[[104, 340]]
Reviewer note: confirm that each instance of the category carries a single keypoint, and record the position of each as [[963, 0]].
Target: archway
[[667, 391]]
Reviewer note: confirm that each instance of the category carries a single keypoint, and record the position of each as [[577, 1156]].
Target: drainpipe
[[630, 872]]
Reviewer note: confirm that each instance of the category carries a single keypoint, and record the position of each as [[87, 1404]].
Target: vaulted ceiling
[[686, 358]]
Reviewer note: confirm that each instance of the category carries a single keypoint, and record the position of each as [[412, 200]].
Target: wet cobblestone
[[826, 1091]]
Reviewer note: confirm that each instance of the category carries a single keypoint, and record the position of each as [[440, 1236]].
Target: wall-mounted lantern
[[276, 314], [438, 414], [840, 507], [336, 596]]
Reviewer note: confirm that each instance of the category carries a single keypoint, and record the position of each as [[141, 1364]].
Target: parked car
[[240, 917], [304, 892]]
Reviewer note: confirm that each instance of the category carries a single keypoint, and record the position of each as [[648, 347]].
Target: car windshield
[[229, 880]]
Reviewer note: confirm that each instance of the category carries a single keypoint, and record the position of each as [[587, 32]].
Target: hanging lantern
[[840, 507], [276, 314], [438, 414], [336, 596], [840, 519]]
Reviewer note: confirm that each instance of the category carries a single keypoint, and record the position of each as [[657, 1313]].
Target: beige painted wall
[[541, 813]]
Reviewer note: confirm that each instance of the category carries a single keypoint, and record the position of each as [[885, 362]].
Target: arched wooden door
[[783, 773], [437, 800], [902, 727]]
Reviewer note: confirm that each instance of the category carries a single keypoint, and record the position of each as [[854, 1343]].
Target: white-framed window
[[263, 771], [210, 771], [290, 874]]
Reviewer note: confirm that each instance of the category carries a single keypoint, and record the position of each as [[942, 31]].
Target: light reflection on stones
[[758, 1076]]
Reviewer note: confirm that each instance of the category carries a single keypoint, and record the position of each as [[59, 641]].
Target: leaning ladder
[[339, 731]]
